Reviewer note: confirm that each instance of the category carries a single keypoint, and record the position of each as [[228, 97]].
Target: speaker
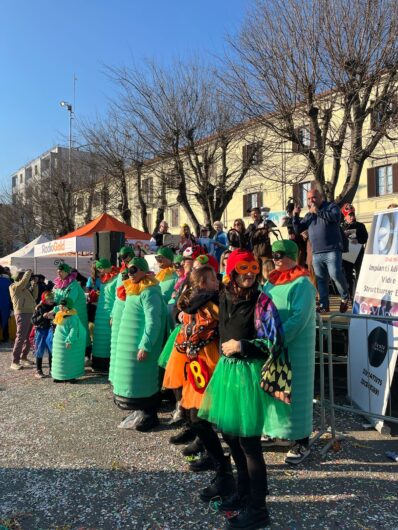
[[107, 245]]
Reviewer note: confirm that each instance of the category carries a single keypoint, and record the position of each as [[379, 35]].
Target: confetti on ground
[[64, 465]]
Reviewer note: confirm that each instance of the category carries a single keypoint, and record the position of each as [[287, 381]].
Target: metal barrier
[[325, 328]]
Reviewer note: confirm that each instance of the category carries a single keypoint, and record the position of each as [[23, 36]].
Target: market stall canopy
[[107, 223]]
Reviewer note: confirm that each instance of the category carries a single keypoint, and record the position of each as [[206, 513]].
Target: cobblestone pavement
[[65, 465]]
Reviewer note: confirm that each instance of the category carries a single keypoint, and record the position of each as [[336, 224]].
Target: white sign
[[372, 353]]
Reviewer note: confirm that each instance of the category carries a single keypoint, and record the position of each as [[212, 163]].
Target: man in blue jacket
[[323, 224]]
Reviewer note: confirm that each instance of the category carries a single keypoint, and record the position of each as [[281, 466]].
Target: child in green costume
[[167, 276], [102, 326], [141, 336], [69, 343], [66, 286]]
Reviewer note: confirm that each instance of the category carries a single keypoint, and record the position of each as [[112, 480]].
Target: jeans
[[329, 264]]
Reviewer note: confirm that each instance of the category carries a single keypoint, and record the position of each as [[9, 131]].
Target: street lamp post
[[69, 108]]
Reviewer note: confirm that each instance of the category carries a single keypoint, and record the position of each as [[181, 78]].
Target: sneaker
[[344, 306], [297, 454], [193, 448], [184, 437], [322, 310], [267, 441], [39, 374], [250, 518], [178, 417], [16, 366], [27, 363]]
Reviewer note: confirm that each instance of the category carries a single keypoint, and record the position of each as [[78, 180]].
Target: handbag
[[276, 378]]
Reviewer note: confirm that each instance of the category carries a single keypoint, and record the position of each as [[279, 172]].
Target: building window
[[252, 200], [96, 199], [383, 180], [174, 216], [252, 154], [303, 189], [384, 114], [147, 190], [21, 178], [304, 137], [172, 180], [14, 181], [80, 204], [36, 171]]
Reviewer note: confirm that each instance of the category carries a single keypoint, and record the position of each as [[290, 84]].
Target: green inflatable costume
[[68, 362], [70, 288], [142, 327], [116, 316], [102, 327]]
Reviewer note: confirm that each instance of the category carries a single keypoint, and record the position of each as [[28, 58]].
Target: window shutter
[[245, 205], [373, 124], [372, 182], [395, 178], [259, 153], [244, 155], [312, 137], [295, 146], [260, 199]]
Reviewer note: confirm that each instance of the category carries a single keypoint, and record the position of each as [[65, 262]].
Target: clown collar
[[165, 274], [282, 277], [132, 288]]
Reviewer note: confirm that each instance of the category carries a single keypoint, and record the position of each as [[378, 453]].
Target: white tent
[[24, 257]]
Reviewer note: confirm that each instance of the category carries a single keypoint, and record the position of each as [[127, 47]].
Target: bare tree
[[322, 76], [191, 126]]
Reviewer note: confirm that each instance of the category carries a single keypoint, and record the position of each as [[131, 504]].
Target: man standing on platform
[[323, 224]]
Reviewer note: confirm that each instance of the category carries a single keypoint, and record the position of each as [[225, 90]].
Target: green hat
[[103, 263], [166, 252], [179, 258], [126, 251], [64, 267], [140, 263], [67, 302], [287, 246]]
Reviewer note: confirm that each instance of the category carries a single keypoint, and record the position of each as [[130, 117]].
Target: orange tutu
[[174, 374], [191, 399]]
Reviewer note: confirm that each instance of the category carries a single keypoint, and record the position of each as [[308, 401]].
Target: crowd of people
[[226, 326]]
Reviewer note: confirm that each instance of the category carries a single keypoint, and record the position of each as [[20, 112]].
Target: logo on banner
[[377, 346]]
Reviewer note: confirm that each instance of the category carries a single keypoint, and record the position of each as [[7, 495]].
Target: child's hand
[[142, 355], [67, 345], [230, 347]]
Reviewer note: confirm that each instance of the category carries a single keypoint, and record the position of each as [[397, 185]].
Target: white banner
[[372, 352]]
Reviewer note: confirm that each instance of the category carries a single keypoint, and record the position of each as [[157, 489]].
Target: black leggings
[[209, 438], [252, 471]]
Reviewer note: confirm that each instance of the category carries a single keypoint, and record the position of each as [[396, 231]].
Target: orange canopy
[[107, 223]]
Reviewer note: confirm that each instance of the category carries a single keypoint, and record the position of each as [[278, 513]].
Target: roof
[[107, 223]]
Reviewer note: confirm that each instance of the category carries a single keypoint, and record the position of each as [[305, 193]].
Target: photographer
[[301, 240], [258, 232]]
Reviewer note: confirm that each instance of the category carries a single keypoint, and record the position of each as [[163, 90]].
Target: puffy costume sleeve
[[72, 328], [167, 287], [302, 309], [153, 307]]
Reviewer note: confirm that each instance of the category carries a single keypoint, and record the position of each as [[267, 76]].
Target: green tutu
[[234, 400], [168, 348]]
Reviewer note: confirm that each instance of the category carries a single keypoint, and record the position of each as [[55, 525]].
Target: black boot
[[50, 358], [193, 448], [39, 368], [185, 436], [205, 463], [222, 485], [237, 501], [148, 422], [250, 518]]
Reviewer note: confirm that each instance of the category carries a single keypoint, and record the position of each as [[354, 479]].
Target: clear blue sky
[[44, 42]]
